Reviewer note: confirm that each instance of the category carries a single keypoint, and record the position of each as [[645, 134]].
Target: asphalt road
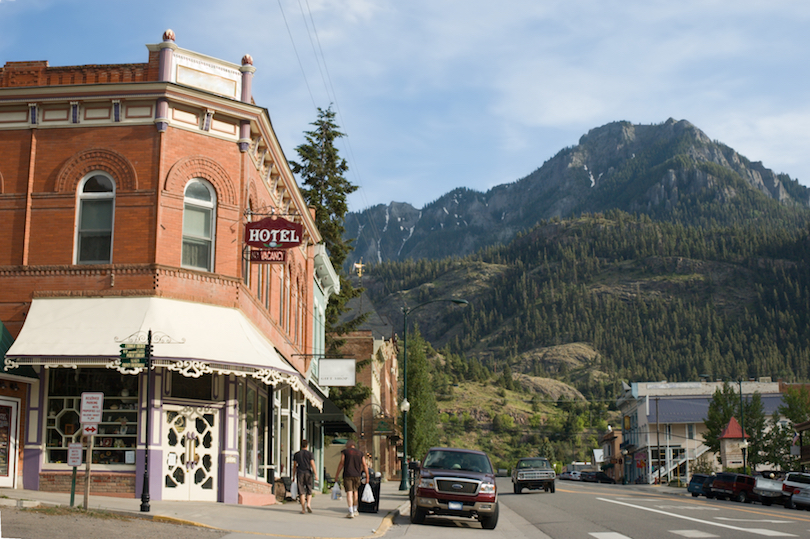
[[586, 510]]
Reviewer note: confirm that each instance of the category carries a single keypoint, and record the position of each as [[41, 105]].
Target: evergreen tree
[[723, 406], [423, 416], [324, 188]]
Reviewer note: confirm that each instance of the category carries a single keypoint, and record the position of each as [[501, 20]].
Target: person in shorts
[[304, 471], [354, 467]]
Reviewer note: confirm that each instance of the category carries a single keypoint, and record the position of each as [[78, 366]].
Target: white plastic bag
[[336, 491], [294, 490], [368, 494]]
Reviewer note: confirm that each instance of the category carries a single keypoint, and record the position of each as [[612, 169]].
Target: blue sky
[[438, 94]]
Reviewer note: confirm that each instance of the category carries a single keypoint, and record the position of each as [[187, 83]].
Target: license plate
[[455, 506]]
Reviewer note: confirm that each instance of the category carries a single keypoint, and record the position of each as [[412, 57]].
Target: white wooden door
[[9, 438], [190, 452]]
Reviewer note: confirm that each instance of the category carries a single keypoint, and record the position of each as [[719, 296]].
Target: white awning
[[190, 338]]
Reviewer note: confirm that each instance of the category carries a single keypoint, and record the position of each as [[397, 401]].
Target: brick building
[[125, 191], [376, 418]]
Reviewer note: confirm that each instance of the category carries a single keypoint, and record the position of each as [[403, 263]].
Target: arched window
[[95, 219], [199, 213]]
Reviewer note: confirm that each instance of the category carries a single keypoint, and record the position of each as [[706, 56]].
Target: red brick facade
[[151, 135], [380, 410]]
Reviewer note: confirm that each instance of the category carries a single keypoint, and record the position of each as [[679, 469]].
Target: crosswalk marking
[[608, 535], [693, 533]]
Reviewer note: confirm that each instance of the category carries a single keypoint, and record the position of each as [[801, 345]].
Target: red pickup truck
[[457, 482]]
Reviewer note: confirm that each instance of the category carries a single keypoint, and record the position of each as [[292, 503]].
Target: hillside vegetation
[[594, 301]]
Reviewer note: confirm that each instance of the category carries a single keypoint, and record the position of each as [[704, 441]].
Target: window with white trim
[[199, 213], [94, 230]]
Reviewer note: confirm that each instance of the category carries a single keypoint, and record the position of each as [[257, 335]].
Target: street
[[584, 510]]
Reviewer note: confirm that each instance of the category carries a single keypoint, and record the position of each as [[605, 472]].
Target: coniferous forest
[[656, 300]]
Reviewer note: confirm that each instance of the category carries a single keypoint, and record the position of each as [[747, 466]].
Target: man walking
[[354, 466], [303, 471]]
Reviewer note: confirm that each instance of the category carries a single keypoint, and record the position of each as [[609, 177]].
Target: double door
[[190, 452]]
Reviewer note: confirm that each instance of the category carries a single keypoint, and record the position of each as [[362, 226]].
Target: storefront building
[[125, 191]]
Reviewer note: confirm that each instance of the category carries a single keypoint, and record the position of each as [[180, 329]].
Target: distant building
[[376, 418], [612, 458], [663, 425]]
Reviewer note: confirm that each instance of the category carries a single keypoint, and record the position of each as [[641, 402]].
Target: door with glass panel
[[190, 452], [9, 422]]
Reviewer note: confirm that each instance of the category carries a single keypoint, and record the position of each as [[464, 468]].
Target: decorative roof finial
[[247, 60], [168, 35]]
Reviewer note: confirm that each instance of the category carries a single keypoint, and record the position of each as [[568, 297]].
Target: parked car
[[602, 477], [707, 486], [534, 473], [576, 475], [565, 476], [695, 485], [588, 476], [733, 486], [796, 488], [457, 482], [769, 490]]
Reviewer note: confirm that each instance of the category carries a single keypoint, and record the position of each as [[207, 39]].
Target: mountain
[[670, 171]]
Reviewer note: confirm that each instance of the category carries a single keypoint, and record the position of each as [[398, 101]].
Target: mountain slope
[[670, 171]]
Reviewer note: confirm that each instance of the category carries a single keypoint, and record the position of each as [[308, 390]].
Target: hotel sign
[[271, 237]]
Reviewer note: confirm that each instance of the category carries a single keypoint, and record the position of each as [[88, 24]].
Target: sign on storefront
[[273, 233], [92, 406], [336, 372]]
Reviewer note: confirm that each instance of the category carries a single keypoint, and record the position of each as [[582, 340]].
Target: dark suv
[[733, 486], [457, 482]]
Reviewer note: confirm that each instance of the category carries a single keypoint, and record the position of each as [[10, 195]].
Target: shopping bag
[[294, 490], [368, 494], [335, 491]]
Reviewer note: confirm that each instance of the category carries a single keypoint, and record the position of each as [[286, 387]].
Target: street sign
[[74, 454], [92, 406], [90, 429], [133, 356]]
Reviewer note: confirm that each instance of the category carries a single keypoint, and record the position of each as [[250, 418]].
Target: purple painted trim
[[32, 460], [229, 482]]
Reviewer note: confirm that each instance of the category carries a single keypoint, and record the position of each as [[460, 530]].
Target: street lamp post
[[742, 425], [406, 406]]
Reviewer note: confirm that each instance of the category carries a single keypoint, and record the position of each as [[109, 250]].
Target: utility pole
[[658, 436]]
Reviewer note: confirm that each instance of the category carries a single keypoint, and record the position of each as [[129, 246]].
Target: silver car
[[796, 487]]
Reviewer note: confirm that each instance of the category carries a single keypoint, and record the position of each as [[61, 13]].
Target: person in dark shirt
[[354, 466], [303, 472]]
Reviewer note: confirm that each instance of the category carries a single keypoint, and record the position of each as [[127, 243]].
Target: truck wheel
[[741, 497], [553, 488], [417, 514], [789, 504], [517, 488], [489, 522]]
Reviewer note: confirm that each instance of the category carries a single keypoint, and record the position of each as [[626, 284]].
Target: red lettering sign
[[273, 233], [268, 256]]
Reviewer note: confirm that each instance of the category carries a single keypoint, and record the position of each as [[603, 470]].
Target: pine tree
[[324, 188], [423, 416]]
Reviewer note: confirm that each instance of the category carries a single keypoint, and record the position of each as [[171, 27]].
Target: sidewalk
[[328, 519]]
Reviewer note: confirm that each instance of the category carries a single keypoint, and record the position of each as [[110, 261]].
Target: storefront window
[[241, 427], [250, 429], [117, 433], [261, 429]]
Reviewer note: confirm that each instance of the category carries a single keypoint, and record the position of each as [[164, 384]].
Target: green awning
[[6, 340]]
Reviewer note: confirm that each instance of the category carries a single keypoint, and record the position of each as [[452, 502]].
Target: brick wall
[[101, 483]]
